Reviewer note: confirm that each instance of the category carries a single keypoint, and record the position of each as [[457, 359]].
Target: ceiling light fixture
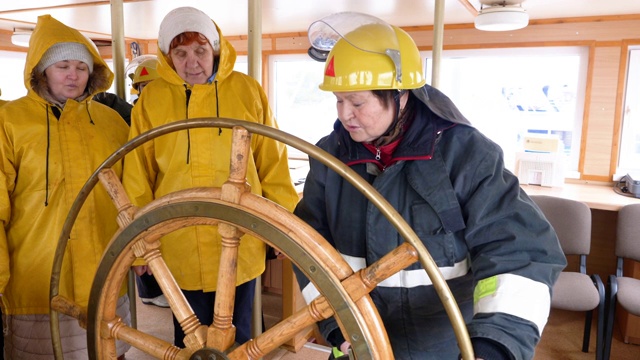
[[20, 37], [501, 15]]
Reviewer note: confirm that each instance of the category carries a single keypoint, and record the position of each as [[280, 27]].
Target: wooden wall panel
[[241, 44], [289, 42], [599, 136]]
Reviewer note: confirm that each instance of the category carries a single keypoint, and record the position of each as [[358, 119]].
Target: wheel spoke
[[357, 285], [195, 335], [222, 333], [365, 280], [149, 344], [118, 195], [318, 309], [70, 308]]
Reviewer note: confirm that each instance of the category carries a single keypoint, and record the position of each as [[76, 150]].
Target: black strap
[[56, 112]]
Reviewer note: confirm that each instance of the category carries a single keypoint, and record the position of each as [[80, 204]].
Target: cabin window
[[510, 94], [629, 156], [300, 107], [12, 75]]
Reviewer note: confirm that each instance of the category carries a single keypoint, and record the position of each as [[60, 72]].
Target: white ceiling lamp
[[20, 37], [501, 15]]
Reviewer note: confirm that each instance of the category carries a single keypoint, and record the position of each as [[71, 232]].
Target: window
[[12, 75], [629, 156], [301, 108], [512, 93], [241, 64]]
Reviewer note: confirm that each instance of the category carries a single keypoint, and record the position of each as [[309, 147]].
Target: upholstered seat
[[624, 291], [576, 290]]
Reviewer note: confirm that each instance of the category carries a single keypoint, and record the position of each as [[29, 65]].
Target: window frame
[[628, 121]]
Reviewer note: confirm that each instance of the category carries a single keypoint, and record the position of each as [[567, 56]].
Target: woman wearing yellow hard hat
[[499, 255], [142, 70]]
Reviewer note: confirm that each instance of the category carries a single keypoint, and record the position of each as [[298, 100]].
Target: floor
[[562, 337]]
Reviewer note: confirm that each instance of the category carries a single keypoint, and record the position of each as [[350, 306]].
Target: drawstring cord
[[217, 106], [56, 112], [188, 95], [46, 169], [86, 106]]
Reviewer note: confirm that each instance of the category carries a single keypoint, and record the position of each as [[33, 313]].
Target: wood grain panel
[[599, 136]]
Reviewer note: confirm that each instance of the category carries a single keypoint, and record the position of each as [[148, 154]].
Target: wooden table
[[604, 203], [597, 196]]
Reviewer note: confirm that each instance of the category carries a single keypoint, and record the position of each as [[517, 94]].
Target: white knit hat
[[65, 51], [186, 19]]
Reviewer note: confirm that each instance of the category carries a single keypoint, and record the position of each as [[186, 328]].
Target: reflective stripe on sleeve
[[403, 278], [514, 295], [412, 278]]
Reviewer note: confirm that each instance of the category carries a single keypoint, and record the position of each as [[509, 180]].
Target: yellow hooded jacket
[[200, 158], [44, 162]]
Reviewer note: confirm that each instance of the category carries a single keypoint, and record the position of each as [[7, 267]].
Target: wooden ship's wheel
[[236, 211]]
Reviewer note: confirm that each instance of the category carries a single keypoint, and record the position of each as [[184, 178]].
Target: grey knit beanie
[[186, 19], [65, 51]]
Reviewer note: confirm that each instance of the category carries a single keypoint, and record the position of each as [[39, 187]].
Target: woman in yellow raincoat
[[51, 141], [197, 80]]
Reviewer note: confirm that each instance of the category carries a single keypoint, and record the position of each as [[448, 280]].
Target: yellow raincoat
[[44, 161], [200, 157]]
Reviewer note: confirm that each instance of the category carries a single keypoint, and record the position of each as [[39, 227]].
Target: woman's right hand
[[345, 347], [341, 352]]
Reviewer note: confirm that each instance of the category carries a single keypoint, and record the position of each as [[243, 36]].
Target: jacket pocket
[[436, 235]]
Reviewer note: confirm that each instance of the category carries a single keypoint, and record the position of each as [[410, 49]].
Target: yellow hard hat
[[372, 56], [142, 69], [146, 71]]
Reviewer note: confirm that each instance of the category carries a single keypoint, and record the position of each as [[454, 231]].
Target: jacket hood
[[48, 32], [226, 59]]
